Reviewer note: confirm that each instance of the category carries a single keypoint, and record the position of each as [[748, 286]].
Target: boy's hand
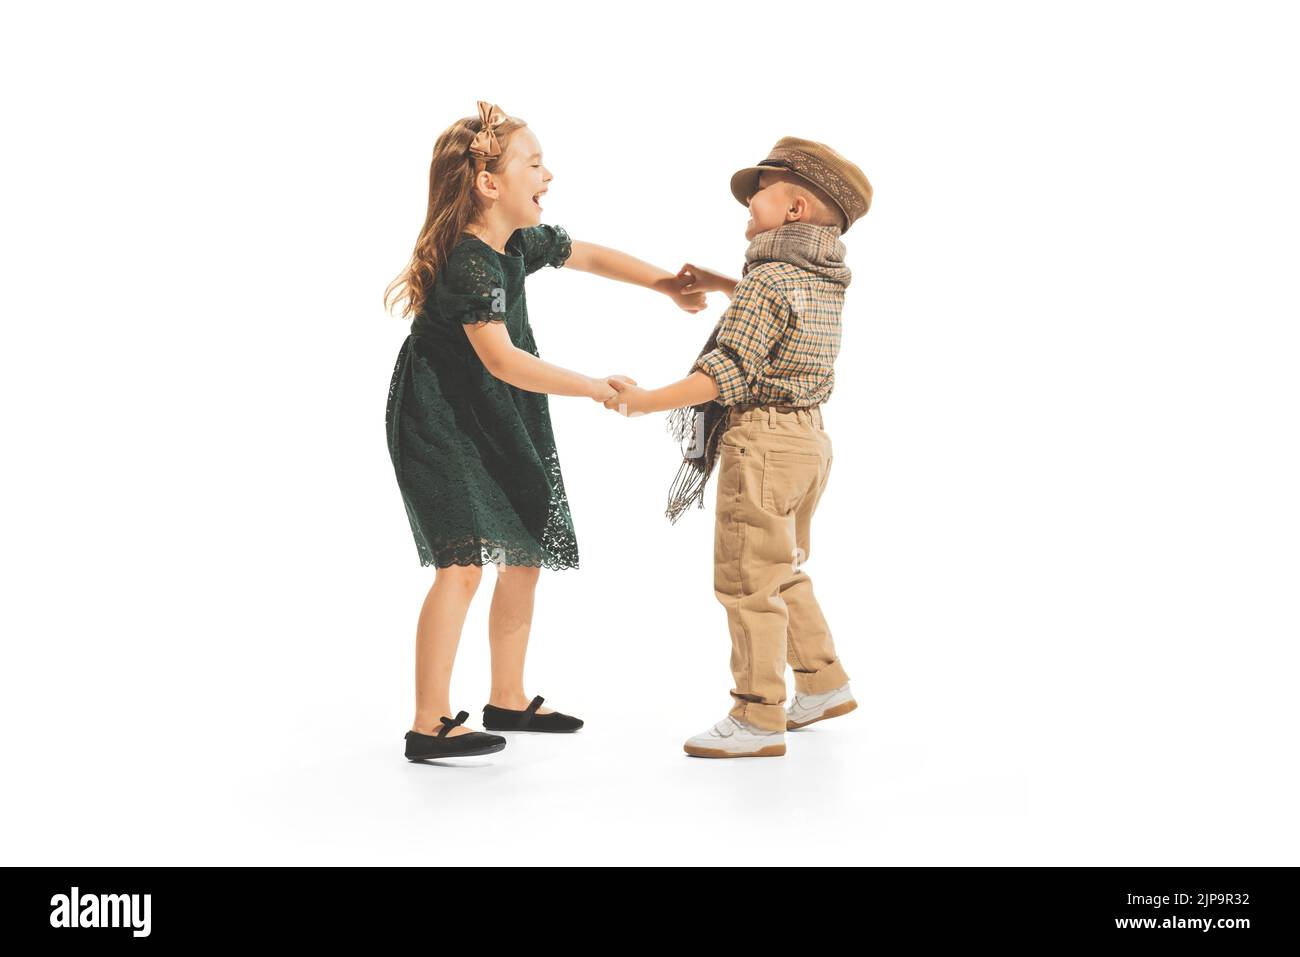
[[671, 286], [693, 278], [631, 398]]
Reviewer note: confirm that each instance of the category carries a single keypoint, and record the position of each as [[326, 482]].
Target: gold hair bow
[[485, 140]]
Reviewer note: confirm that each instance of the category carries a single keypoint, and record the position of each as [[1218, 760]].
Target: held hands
[[694, 279], [671, 286], [603, 390], [621, 394], [630, 398], [688, 287]]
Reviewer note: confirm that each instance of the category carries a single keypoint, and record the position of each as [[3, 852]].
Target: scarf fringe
[[687, 487], [703, 426]]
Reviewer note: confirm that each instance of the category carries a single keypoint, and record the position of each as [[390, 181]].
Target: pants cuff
[[827, 679], [768, 717]]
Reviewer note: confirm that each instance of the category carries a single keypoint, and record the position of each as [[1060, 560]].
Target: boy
[[756, 390]]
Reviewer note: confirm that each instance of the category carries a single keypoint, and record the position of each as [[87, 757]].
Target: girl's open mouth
[[535, 197]]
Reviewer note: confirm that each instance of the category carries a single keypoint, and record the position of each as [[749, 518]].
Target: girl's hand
[[604, 389], [671, 286], [601, 390]]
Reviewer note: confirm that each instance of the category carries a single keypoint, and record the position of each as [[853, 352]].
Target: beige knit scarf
[[817, 249]]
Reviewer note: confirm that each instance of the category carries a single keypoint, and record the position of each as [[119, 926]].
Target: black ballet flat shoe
[[503, 719], [420, 747]]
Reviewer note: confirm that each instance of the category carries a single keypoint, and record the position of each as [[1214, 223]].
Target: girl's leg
[[509, 621], [436, 638]]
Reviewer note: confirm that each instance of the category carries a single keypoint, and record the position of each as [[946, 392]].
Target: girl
[[469, 428]]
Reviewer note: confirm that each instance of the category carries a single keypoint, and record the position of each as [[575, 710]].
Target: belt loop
[[771, 417]]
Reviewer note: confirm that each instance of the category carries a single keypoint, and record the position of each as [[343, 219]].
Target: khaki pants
[[773, 468]]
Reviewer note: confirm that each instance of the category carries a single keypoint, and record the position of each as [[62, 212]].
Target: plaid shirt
[[778, 340]]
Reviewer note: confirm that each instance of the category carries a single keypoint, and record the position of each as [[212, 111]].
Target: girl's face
[[521, 181], [769, 205]]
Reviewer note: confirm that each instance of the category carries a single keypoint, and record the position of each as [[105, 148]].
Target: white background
[[1058, 551]]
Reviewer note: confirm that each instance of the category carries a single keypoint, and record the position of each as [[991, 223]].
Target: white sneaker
[[805, 709], [733, 738]]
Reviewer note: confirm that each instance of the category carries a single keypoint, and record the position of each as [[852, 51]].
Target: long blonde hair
[[453, 205]]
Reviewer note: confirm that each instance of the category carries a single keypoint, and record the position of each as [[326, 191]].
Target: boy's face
[[770, 204], [521, 178]]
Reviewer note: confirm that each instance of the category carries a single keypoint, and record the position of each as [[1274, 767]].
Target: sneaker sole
[[770, 751], [834, 712], [457, 754]]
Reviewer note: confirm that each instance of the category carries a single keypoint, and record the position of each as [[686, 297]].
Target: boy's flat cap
[[817, 163]]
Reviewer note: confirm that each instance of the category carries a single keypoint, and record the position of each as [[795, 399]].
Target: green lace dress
[[475, 457]]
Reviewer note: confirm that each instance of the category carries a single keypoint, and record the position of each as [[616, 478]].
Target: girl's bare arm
[[614, 264], [523, 370]]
